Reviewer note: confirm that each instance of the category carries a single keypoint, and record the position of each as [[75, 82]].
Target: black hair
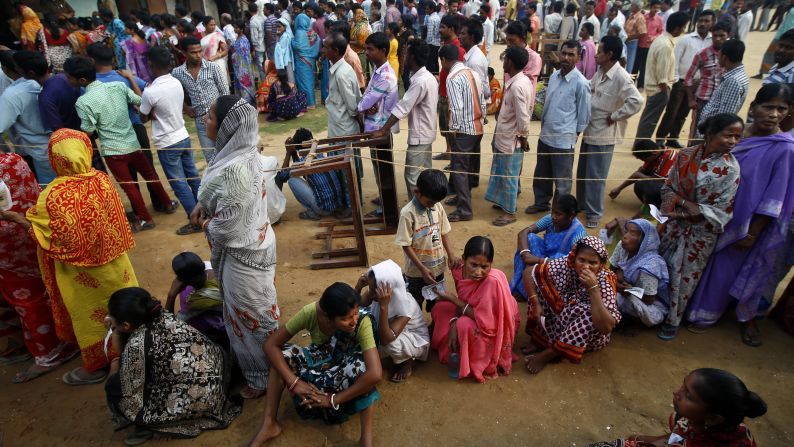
[[297, 5], [339, 43], [486, 8], [133, 305], [768, 92], [156, 22], [129, 24], [181, 10], [431, 5], [339, 299], [239, 23], [100, 53], [301, 135], [733, 50], [479, 246], [197, 16], [518, 56], [450, 22], [270, 8], [80, 67], [7, 59], [533, 6], [419, 50], [189, 41], [189, 268], [394, 27], [491, 71], [189, 28], [252, 8], [678, 19], [788, 35], [432, 184], [516, 28], [557, 6], [341, 26], [613, 45], [168, 20], [726, 395], [566, 203], [27, 61], [85, 23], [721, 26], [654, 2], [718, 123], [222, 107], [474, 29], [208, 19], [570, 8], [449, 52], [707, 13], [52, 25], [590, 3], [644, 149], [572, 44], [283, 80], [105, 13], [589, 27], [379, 41], [159, 57]]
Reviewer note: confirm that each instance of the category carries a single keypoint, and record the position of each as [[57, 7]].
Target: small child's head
[[563, 211], [339, 304], [491, 73], [132, 307], [645, 149], [477, 258], [431, 187], [189, 269], [302, 135], [716, 399]]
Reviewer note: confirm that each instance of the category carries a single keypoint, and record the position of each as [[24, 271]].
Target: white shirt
[[743, 24], [687, 48], [229, 34], [596, 27], [477, 61], [420, 105], [164, 96], [488, 32], [471, 8], [620, 19]]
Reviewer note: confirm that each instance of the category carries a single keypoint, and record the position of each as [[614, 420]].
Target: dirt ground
[[624, 389]]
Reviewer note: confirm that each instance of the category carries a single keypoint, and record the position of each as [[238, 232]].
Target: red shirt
[[442, 76], [662, 165], [655, 27]]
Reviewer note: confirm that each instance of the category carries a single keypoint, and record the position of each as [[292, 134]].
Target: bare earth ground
[[621, 390]]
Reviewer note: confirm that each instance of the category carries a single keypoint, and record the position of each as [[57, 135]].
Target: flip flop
[[138, 437], [667, 332], [504, 220], [697, 328], [71, 379], [750, 339], [532, 209], [592, 223]]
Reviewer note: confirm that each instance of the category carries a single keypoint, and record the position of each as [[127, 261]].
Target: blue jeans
[[179, 165], [207, 144], [305, 196], [631, 54], [41, 163], [260, 64]]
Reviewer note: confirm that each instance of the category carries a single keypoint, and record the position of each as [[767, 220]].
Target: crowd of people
[[712, 232]]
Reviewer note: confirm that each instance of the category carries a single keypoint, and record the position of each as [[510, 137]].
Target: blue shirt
[[56, 104], [112, 76], [566, 111], [326, 186], [19, 115]]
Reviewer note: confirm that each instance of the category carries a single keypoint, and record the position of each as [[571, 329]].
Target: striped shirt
[[203, 91], [433, 23], [729, 96], [783, 75], [381, 91], [706, 63], [466, 103]]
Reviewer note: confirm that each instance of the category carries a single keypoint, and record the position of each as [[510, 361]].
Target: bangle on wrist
[[464, 310], [526, 250], [205, 224], [592, 287], [333, 405], [452, 320], [294, 382]]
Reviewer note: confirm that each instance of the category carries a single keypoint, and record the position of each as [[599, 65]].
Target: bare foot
[[33, 372], [251, 393], [365, 442], [405, 371], [269, 430], [531, 348], [536, 362]]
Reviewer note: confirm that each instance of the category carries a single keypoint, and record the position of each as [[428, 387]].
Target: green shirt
[[306, 318], [103, 108]]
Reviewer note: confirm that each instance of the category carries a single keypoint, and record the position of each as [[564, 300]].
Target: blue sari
[[116, 29], [554, 244], [306, 47]]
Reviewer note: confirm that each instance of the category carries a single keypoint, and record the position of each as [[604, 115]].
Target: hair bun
[[754, 405]]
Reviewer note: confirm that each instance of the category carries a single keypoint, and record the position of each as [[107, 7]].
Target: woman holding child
[[479, 323]]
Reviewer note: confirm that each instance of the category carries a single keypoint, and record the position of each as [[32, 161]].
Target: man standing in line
[[204, 82], [487, 27], [449, 36], [514, 37], [343, 91], [419, 104], [677, 109], [706, 66], [783, 70], [466, 115], [271, 28], [615, 99], [661, 74], [732, 91], [566, 113], [257, 26], [432, 36], [470, 36], [589, 16]]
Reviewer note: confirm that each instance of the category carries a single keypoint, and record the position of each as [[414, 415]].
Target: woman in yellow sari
[[83, 238], [31, 32], [358, 37]]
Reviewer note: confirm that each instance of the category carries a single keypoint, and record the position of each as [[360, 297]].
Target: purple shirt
[[56, 104], [381, 91], [587, 63]]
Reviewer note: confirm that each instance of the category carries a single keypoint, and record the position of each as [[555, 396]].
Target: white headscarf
[[402, 304]]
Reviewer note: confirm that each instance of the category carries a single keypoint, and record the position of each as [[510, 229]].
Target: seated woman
[[200, 299], [262, 95], [572, 306], [332, 378], [562, 230], [642, 275], [710, 408], [402, 332], [480, 323], [649, 178], [284, 100], [170, 379]]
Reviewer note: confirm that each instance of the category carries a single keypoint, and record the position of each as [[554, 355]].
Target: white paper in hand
[[430, 293], [603, 234], [657, 214], [639, 292]]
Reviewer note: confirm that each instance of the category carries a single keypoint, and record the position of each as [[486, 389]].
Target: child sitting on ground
[[562, 230], [200, 300], [650, 177], [402, 332], [496, 93], [422, 233]]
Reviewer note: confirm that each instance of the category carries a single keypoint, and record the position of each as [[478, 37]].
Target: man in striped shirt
[[466, 113], [730, 95], [783, 70]]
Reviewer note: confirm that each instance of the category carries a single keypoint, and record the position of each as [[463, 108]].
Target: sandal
[[71, 379], [459, 217], [376, 213], [144, 225], [188, 229], [308, 215], [592, 222], [697, 328], [138, 437], [505, 219], [171, 209], [28, 374], [452, 201], [667, 332], [534, 209], [751, 336]]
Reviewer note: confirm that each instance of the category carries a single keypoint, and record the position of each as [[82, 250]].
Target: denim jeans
[[179, 165], [260, 64], [305, 196], [207, 145], [631, 55]]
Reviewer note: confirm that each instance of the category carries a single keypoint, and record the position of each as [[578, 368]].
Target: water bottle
[[454, 365]]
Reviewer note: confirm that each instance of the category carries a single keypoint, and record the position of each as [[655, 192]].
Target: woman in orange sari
[[264, 88], [31, 32], [82, 249]]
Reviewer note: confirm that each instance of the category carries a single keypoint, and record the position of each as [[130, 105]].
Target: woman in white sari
[[232, 209], [402, 332], [213, 46]]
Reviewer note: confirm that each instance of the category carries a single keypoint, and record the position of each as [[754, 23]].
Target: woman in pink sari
[[213, 46], [480, 323]]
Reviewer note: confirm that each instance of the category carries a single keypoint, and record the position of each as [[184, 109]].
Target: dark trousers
[[474, 178], [649, 191], [432, 59], [675, 114], [122, 165], [639, 66], [462, 146], [415, 285], [650, 115], [143, 141]]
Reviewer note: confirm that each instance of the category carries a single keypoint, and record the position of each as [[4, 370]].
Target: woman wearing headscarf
[[232, 210], [82, 249], [402, 331], [358, 36], [20, 278], [115, 29], [306, 47], [283, 52], [572, 307], [31, 32]]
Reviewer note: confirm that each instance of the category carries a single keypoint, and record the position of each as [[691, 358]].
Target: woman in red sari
[[480, 323]]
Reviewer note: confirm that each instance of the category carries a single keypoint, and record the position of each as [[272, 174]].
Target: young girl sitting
[[170, 378], [562, 230], [284, 100], [335, 376], [402, 331], [710, 408], [637, 264], [200, 300]]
